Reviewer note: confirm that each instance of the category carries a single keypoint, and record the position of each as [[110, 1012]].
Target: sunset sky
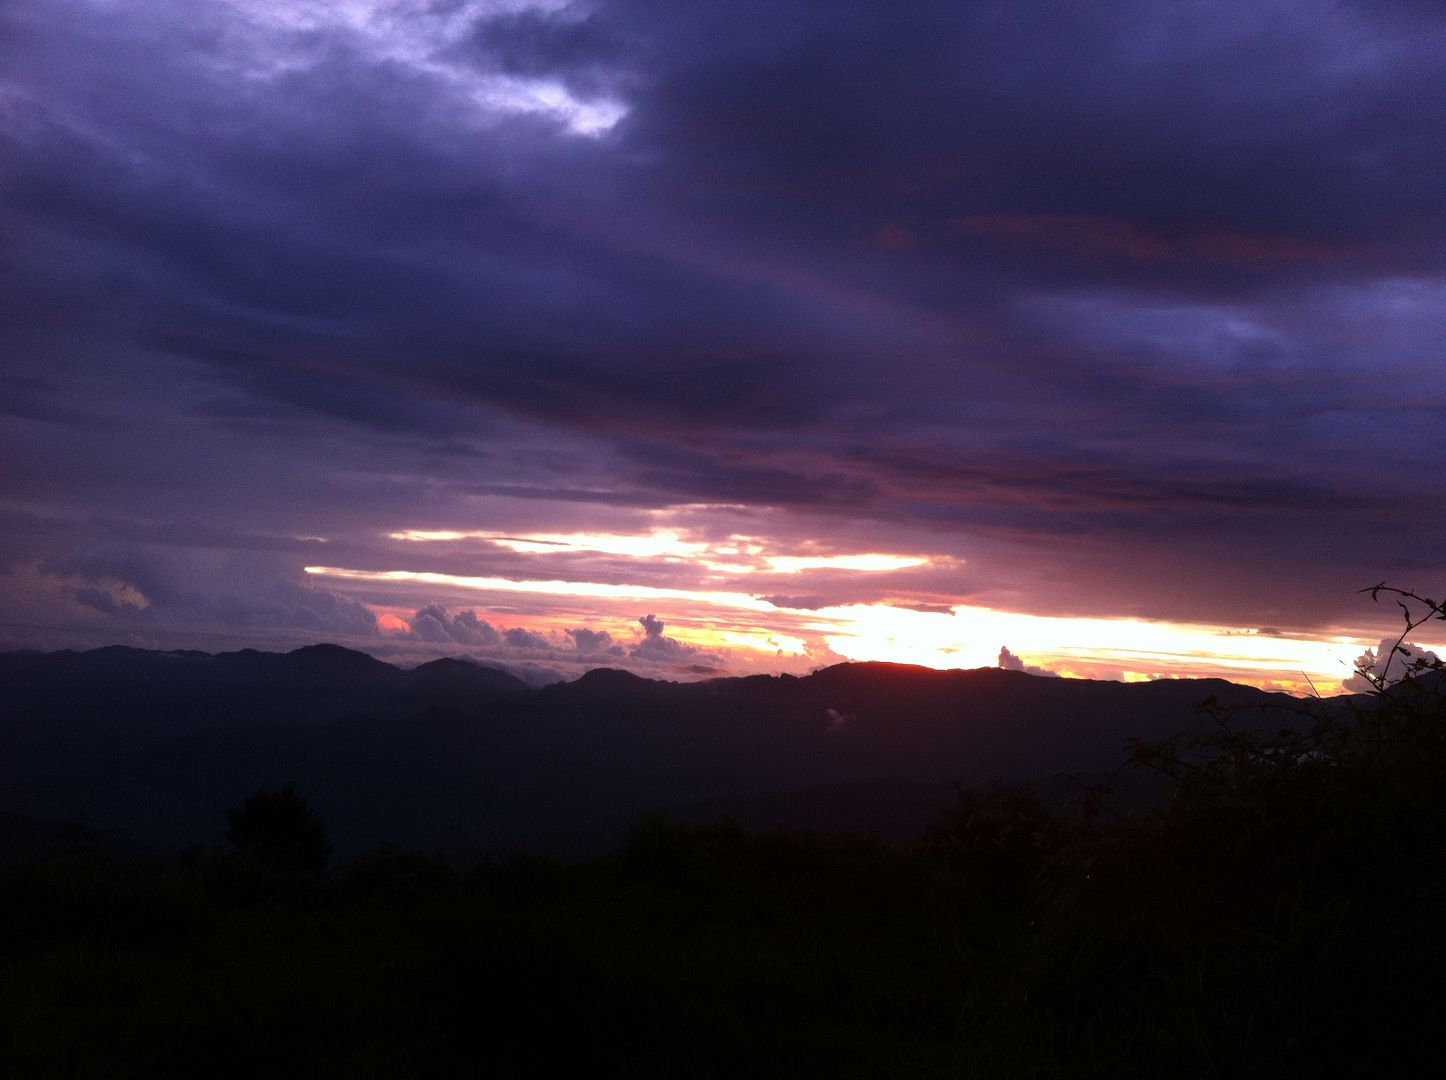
[[1107, 339]]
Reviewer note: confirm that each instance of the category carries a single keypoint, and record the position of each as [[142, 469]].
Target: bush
[[1278, 915], [279, 831], [1001, 838]]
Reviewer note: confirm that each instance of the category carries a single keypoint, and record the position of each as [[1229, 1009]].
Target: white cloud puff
[[1009, 662], [1387, 660]]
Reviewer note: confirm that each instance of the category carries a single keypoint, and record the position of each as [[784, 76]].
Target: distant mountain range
[[463, 759]]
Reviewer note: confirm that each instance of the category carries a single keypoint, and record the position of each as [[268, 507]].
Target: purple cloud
[[1126, 309], [433, 623]]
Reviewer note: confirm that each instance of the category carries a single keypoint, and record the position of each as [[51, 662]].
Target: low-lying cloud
[[1388, 662], [1009, 662], [655, 646], [433, 623]]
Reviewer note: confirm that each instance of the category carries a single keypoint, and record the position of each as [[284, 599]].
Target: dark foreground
[[1282, 916]]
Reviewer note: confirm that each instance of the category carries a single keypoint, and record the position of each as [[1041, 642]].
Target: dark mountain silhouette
[[460, 758], [30, 836], [135, 692]]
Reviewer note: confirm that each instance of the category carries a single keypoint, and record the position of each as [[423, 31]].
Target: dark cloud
[[930, 609], [802, 603], [39, 399], [585, 49], [104, 601], [208, 588], [730, 476], [1135, 307]]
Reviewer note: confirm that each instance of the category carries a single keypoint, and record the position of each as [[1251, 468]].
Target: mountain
[[136, 692], [28, 836], [456, 757]]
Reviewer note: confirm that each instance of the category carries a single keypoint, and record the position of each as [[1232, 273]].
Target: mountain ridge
[[158, 744]]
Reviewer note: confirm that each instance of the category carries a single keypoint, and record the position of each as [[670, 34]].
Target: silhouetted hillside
[[136, 692], [1278, 915], [456, 757]]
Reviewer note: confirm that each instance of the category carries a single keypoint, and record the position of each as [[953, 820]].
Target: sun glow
[[664, 544], [594, 589], [972, 637], [960, 637], [792, 564], [761, 640], [736, 555], [660, 543]]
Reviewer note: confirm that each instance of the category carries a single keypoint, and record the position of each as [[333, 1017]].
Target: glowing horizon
[[571, 312], [671, 544], [962, 636]]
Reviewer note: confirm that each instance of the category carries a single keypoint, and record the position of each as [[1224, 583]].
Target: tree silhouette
[[279, 830]]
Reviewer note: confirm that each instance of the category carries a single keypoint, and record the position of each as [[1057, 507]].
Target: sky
[[699, 338]]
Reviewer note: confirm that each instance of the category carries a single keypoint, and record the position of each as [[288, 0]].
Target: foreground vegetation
[[1280, 915]]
